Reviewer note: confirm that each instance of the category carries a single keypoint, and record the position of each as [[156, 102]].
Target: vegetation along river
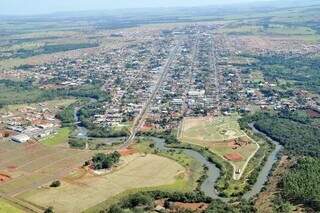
[[213, 171]]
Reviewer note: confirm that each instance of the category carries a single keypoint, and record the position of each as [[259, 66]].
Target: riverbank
[[216, 170], [219, 183]]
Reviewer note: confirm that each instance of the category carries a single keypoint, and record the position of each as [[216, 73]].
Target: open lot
[[82, 190], [28, 166], [222, 136]]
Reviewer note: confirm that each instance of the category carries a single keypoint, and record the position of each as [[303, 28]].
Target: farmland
[[8, 208], [138, 171], [27, 166], [223, 137]]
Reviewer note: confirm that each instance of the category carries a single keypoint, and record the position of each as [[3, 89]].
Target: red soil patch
[[235, 156], [146, 128], [313, 114], [233, 144], [4, 178], [6, 133], [11, 168], [127, 151], [237, 143]]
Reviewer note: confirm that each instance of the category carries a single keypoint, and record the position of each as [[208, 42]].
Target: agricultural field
[[27, 166], [222, 136], [82, 190], [8, 208], [194, 167]]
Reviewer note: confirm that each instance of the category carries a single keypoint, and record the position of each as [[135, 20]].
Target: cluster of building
[[207, 76], [29, 123]]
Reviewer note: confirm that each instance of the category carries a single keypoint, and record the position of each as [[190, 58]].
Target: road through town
[[141, 117]]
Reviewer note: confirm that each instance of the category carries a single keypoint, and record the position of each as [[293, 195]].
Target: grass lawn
[[206, 129], [257, 76], [61, 136], [5, 207], [222, 136]]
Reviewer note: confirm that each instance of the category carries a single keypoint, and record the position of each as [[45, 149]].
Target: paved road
[[193, 64], [213, 65], [141, 117]]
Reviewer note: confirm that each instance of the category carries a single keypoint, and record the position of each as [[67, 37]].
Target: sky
[[34, 7]]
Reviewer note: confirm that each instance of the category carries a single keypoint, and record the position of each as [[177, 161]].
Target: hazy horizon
[[37, 7]]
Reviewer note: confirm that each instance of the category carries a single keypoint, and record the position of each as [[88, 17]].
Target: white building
[[22, 138]]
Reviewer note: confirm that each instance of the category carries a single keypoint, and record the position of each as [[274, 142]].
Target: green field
[[48, 104], [287, 31], [60, 137], [217, 129], [256, 76], [5, 207], [222, 136], [243, 29]]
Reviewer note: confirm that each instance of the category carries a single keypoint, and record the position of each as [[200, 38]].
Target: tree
[[217, 206], [302, 183], [115, 209], [103, 161], [49, 210], [56, 183], [138, 199]]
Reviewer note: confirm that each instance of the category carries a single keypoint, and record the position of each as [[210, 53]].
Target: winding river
[[265, 171], [213, 172], [81, 132]]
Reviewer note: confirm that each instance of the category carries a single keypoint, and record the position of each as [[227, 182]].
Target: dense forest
[[302, 183], [301, 140], [297, 138], [19, 92], [293, 130], [144, 202], [303, 72]]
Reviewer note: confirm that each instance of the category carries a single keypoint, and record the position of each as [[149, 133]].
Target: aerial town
[[153, 115]]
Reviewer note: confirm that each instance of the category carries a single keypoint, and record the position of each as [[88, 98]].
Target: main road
[[213, 66], [141, 116]]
